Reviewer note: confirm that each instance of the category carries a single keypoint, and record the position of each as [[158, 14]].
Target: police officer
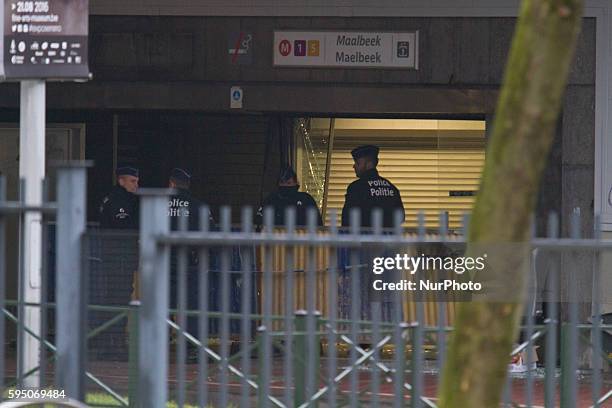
[[183, 204], [371, 190], [288, 195], [119, 209]]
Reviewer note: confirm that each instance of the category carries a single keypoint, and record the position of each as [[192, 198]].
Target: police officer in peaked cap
[[287, 195], [370, 190], [183, 204], [119, 209]]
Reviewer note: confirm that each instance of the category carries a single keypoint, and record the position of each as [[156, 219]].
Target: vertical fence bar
[[181, 305], [2, 279], [443, 230], [421, 224], [569, 333], [528, 335], [399, 326], [376, 302], [507, 393], [42, 364], [86, 271], [354, 272], [375, 386], [204, 264], [333, 312], [417, 327], [596, 318], [245, 322], [311, 324], [441, 337], [574, 345], [225, 321], [42, 361], [265, 355], [552, 319], [289, 308], [301, 357], [417, 357], [530, 309], [133, 354], [71, 331], [21, 296], [154, 263]]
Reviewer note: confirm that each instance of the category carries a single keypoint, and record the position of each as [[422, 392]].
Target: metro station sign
[[346, 49], [44, 39]]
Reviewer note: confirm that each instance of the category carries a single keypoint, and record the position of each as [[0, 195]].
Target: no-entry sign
[[45, 39]]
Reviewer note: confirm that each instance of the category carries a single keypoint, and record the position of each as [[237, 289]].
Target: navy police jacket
[[372, 191], [119, 210], [289, 197]]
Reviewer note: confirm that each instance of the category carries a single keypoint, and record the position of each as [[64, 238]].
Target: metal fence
[[230, 316]]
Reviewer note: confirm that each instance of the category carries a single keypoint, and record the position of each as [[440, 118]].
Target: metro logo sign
[[346, 49], [284, 48]]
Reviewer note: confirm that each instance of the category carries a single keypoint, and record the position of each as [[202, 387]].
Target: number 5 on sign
[[313, 48]]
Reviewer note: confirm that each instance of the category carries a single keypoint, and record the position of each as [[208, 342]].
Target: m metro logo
[[284, 48]]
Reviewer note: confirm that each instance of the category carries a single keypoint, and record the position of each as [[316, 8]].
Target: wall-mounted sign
[[236, 95], [462, 193], [346, 49], [44, 39], [240, 48]]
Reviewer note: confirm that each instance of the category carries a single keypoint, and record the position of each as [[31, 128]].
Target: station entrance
[[436, 164]]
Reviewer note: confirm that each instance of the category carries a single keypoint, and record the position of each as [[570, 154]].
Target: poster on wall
[[346, 49], [46, 39]]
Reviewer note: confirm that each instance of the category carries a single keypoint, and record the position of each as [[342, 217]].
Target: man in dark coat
[[288, 195], [119, 209], [180, 206], [183, 204], [371, 190]]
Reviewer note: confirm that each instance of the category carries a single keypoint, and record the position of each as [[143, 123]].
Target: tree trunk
[[529, 103]]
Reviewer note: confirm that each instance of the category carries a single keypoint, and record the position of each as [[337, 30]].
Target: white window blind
[[435, 167]]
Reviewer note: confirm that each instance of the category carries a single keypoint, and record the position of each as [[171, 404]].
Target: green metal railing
[[300, 338]]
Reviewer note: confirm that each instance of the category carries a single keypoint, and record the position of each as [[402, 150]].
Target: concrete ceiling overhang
[[346, 99]]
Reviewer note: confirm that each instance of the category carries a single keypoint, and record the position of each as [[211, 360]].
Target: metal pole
[[2, 280], [154, 268], [71, 335], [300, 356], [133, 354], [32, 170]]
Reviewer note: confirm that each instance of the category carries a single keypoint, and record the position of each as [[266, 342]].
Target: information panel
[[44, 39], [346, 49]]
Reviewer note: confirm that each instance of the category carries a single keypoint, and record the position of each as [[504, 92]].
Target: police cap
[[127, 171], [365, 151], [287, 173], [180, 175]]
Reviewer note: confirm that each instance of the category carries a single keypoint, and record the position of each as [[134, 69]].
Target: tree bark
[[535, 78]]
